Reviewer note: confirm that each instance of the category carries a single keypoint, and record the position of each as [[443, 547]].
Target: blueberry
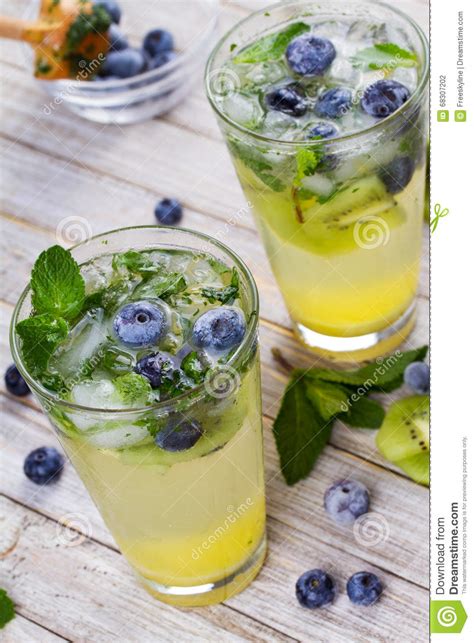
[[112, 9], [169, 212], [155, 367], [157, 41], [117, 39], [315, 589], [323, 130], [417, 377], [139, 324], [334, 102], [309, 55], [179, 435], [219, 328], [14, 382], [161, 59], [383, 97], [398, 174], [346, 500], [364, 588], [43, 465], [125, 63], [289, 100]]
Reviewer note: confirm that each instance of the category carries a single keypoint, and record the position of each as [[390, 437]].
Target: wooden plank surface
[[57, 166]]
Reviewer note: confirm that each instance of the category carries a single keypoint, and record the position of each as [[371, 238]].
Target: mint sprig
[[271, 47], [226, 295], [57, 284], [7, 609], [40, 336], [384, 56], [132, 388], [315, 398]]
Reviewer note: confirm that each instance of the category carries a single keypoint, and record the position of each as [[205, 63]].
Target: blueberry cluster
[[124, 61], [309, 56]]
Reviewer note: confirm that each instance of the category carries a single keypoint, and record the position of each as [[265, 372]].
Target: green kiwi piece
[[404, 437]]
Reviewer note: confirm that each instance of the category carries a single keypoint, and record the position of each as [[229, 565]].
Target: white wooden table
[[75, 585]]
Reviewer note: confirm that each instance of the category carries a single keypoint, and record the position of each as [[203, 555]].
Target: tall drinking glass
[[337, 195], [190, 522]]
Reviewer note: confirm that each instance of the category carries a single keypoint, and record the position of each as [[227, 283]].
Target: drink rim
[[193, 394], [342, 138]]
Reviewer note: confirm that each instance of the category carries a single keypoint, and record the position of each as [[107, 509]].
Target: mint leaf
[[364, 414], [132, 388], [254, 160], [384, 55], [383, 376], [194, 368], [328, 399], [40, 336], [135, 261], [162, 286], [57, 284], [271, 47], [300, 432], [226, 295], [7, 609], [307, 160]]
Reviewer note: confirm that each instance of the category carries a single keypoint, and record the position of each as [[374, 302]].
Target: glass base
[[361, 347], [209, 593]]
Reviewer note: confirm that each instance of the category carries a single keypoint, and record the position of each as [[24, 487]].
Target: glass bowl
[[193, 24]]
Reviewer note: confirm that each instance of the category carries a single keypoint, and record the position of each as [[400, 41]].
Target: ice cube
[[280, 126], [331, 29], [408, 76], [318, 184], [119, 437], [242, 109], [83, 343], [367, 31], [341, 71], [266, 73]]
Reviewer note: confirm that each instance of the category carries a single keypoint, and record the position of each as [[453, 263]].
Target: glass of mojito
[[323, 106], [141, 346]]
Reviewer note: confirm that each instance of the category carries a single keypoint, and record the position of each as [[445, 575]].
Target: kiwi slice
[[218, 428], [365, 202], [404, 437]]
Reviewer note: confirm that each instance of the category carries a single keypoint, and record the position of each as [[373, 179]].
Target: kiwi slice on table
[[359, 215], [404, 437]]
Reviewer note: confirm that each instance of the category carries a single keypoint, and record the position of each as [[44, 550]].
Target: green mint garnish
[[254, 160], [57, 284], [226, 295], [384, 56], [314, 398], [162, 286], [137, 262], [307, 161], [194, 368], [7, 609], [271, 47], [43, 67], [40, 335], [96, 21], [132, 388]]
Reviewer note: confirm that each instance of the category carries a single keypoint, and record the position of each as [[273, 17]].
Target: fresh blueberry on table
[[125, 63], [384, 97], [14, 382], [398, 174], [346, 500], [139, 324], [113, 9], [43, 465], [169, 212], [364, 588], [118, 40], [323, 130], [334, 102], [179, 435], [219, 329], [289, 100], [309, 55], [315, 588], [155, 367], [417, 377], [161, 59], [158, 41]]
